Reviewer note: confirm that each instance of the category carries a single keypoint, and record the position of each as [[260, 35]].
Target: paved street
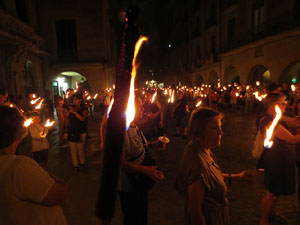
[[166, 206]]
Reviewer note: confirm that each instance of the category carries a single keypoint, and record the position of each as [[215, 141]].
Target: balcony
[[271, 27], [20, 31]]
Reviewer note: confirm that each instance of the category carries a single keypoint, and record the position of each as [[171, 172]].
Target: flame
[[40, 104], [293, 87], [67, 95], [237, 94], [257, 83], [166, 92], [172, 97], [88, 98], [34, 95], [198, 104], [34, 100], [49, 123], [270, 130], [259, 97], [153, 97], [95, 96], [130, 111], [76, 85], [28, 122], [11, 105], [109, 107]]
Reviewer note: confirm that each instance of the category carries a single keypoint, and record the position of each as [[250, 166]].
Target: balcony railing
[[271, 27]]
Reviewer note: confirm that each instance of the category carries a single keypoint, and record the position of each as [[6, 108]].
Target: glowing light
[[95, 96], [130, 111], [28, 122], [166, 92], [40, 104], [198, 104], [269, 132], [49, 123], [34, 100], [237, 94], [153, 97], [257, 83], [109, 107], [34, 95], [293, 88], [11, 105]]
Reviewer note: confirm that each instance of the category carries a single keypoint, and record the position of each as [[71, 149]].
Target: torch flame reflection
[[270, 130], [49, 123], [28, 122], [130, 111]]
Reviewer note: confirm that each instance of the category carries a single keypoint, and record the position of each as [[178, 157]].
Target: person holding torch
[[278, 161]]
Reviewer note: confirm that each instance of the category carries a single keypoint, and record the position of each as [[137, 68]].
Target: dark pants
[[298, 167], [134, 207]]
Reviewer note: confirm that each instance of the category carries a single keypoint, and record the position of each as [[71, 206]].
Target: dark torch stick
[[115, 134]]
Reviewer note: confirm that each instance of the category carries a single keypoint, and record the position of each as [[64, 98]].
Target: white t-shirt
[[24, 184]]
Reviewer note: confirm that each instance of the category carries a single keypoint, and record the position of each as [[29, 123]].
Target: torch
[[47, 124], [115, 134]]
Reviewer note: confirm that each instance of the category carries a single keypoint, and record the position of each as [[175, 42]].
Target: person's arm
[[150, 171], [196, 193], [83, 116], [103, 127], [56, 194], [242, 176], [283, 134], [291, 121]]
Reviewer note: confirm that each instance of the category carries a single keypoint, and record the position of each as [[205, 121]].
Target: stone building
[[51, 44], [237, 41]]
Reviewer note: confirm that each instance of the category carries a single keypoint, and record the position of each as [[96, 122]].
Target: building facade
[[240, 41], [51, 44]]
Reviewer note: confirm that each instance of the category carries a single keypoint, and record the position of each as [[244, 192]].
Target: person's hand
[[154, 173], [161, 124], [246, 176]]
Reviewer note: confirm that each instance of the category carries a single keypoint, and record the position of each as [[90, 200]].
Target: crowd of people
[[197, 113]]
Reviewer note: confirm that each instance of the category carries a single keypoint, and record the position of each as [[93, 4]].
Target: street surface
[[166, 206]]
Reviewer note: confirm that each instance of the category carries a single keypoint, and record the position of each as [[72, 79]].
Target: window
[[66, 40], [257, 17], [231, 32], [21, 10]]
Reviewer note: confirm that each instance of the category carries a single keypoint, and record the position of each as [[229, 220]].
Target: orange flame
[[270, 130], [40, 104], [34, 95], [153, 97], [293, 87], [28, 122], [130, 111], [198, 104], [95, 96], [34, 100], [49, 123]]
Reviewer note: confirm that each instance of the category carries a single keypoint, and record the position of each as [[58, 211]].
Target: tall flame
[[95, 96], [49, 123], [153, 97], [293, 87], [270, 130], [130, 111]]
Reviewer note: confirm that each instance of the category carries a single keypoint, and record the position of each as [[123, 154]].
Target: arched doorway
[[68, 79], [231, 76], [291, 74], [259, 73], [213, 78], [28, 82]]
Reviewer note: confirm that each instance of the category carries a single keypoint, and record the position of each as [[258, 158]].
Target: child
[[40, 143]]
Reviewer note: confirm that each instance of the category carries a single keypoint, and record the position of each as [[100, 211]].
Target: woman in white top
[[28, 194]]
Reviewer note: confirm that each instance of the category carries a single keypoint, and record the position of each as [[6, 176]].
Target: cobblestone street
[[166, 206]]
